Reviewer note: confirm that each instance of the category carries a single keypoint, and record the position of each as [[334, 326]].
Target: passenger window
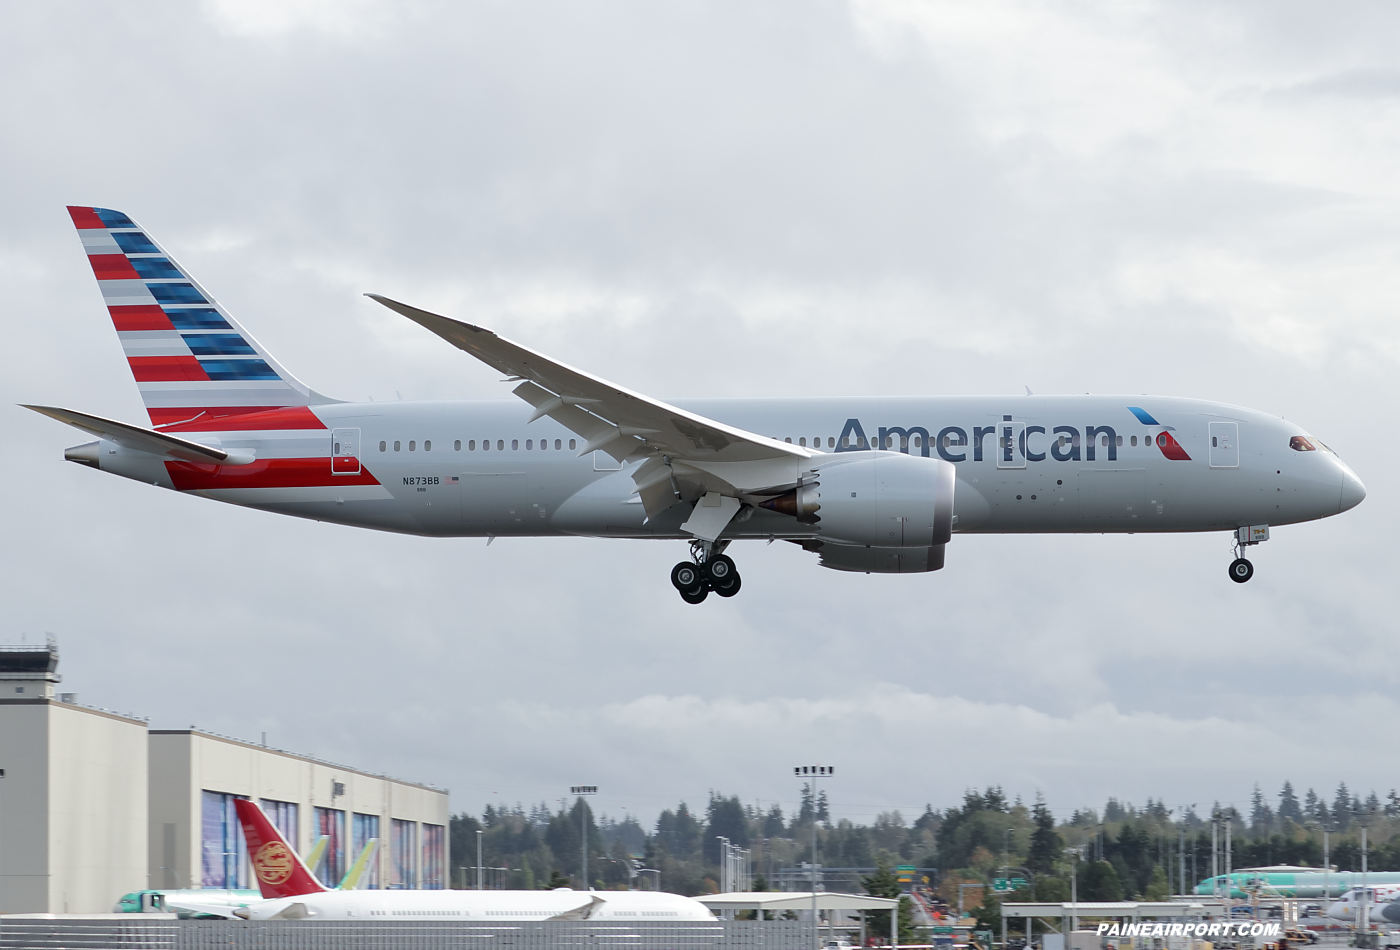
[[918, 441], [1104, 442], [788, 440], [337, 448], [831, 441], [486, 445], [802, 442], [396, 445], [412, 445], [514, 445], [573, 444], [427, 445], [500, 445], [1120, 440], [845, 442], [529, 445], [457, 446], [382, 446], [1213, 443], [556, 443], [1133, 440]]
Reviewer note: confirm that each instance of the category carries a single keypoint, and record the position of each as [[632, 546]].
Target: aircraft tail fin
[[280, 872], [357, 870], [189, 357]]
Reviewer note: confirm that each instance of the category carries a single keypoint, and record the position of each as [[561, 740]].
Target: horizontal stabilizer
[[145, 440]]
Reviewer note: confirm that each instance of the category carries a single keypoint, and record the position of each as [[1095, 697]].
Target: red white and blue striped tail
[[190, 358]]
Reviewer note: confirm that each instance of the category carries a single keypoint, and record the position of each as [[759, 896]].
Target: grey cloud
[[696, 200]]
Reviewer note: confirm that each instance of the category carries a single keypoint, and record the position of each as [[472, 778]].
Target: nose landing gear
[[710, 570], [1241, 569]]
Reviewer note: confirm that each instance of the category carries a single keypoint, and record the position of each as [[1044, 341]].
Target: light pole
[[812, 773], [1074, 889], [580, 791], [478, 859]]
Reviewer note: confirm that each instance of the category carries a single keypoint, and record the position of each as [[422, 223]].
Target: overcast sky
[[1193, 199]]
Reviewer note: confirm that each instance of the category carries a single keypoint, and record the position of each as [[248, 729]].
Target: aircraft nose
[[1353, 492]]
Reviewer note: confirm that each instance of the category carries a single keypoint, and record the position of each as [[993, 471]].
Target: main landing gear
[[710, 570], [1241, 569]]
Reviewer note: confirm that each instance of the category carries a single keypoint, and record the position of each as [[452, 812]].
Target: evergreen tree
[[724, 816], [1098, 881], [884, 883], [1261, 816], [1046, 843], [1288, 804], [1112, 811], [773, 823], [1157, 888], [1343, 807]]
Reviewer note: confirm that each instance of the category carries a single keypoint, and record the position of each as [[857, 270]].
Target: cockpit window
[[1300, 444]]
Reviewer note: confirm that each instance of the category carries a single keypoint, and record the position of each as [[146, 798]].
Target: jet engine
[[876, 500]]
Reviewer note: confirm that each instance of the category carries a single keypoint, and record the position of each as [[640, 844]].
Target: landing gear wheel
[[696, 595], [719, 569], [731, 586], [687, 576], [1241, 570]]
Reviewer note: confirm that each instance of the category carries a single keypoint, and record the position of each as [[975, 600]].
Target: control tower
[[28, 671]]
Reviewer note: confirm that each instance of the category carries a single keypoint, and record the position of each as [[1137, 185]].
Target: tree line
[[1119, 852]]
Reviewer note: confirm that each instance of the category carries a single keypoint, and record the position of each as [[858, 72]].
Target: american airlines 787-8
[[878, 485]]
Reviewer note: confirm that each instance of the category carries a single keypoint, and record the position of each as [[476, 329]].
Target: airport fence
[[141, 932]]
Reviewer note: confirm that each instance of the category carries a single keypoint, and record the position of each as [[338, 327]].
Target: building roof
[[1116, 909], [794, 900]]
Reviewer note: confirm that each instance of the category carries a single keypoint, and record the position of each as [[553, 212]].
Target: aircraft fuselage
[[1024, 464]]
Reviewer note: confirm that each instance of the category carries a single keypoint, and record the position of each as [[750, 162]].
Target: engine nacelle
[[868, 507], [885, 499]]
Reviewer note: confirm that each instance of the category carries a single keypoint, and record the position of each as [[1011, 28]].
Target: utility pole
[[1363, 916], [1215, 853], [580, 791], [1074, 888], [812, 773]]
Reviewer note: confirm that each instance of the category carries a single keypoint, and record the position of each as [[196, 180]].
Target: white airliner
[[291, 892], [1377, 897], [870, 484]]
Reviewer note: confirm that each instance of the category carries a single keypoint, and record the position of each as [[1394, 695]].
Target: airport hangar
[[94, 804]]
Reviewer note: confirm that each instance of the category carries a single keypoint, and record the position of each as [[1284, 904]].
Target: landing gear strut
[[709, 570], [1241, 569]]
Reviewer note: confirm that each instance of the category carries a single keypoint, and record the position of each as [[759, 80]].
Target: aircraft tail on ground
[[191, 360], [280, 872]]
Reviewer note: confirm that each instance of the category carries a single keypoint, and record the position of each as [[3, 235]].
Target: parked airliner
[[870, 484], [291, 892]]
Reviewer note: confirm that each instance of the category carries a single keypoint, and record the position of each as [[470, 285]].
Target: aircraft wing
[[689, 455], [581, 912], [145, 440], [194, 908]]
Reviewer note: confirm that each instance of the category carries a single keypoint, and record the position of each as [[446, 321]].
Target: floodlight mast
[[580, 791], [811, 773]]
